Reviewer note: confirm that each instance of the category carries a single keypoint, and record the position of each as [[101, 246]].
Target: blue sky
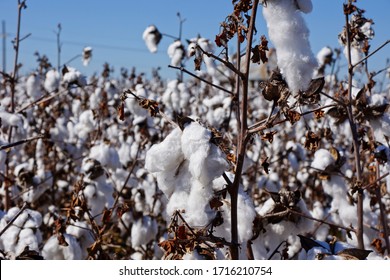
[[114, 29]]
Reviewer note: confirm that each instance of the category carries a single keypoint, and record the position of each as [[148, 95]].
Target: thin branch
[[24, 207], [17, 143], [200, 78], [228, 64], [371, 54]]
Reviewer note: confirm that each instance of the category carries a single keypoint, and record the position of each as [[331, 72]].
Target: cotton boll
[[74, 76], [87, 55], [381, 128], [246, 214], [96, 200], [356, 54], [9, 119], [290, 36], [80, 230], [324, 56], [166, 155], [176, 53], [143, 231], [27, 237], [152, 38], [33, 86], [106, 155], [54, 251], [198, 211], [52, 80], [322, 159], [304, 5]]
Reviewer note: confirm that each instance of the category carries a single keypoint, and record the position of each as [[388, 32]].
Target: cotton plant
[[290, 35]]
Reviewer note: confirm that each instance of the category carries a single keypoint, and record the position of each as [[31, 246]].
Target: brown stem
[[243, 137], [21, 5], [355, 140], [382, 209]]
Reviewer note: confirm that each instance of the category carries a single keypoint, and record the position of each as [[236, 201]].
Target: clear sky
[[114, 29]]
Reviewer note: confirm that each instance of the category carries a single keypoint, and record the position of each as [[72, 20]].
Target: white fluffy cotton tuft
[[152, 37], [288, 32]]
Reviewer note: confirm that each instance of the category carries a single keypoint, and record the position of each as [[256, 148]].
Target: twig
[[200, 78], [7, 146], [228, 64], [371, 54], [276, 249]]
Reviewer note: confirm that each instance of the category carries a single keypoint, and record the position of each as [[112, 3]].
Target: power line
[[95, 45]]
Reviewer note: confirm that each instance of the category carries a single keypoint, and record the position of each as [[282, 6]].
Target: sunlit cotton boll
[[152, 38], [73, 76], [143, 231], [52, 80], [106, 155], [87, 55], [54, 251], [33, 86], [206, 161], [288, 32], [176, 53], [322, 159]]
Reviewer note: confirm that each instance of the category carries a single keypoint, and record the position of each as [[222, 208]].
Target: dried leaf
[[265, 165], [354, 254], [181, 232], [269, 136], [312, 141], [377, 244], [121, 111], [168, 246], [307, 243], [28, 254], [215, 203], [293, 116], [106, 217], [319, 114]]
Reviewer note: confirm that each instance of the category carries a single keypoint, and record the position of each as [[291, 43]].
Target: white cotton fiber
[[166, 155], [143, 231], [304, 5], [33, 86], [322, 159], [176, 53], [206, 161], [52, 81], [288, 32], [152, 37], [106, 155], [54, 251]]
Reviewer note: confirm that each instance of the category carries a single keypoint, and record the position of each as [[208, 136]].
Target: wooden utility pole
[[4, 36]]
